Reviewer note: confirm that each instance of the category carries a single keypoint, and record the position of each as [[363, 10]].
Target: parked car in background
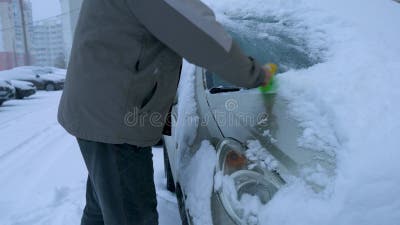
[[47, 70], [38, 76], [23, 88], [57, 71], [7, 91]]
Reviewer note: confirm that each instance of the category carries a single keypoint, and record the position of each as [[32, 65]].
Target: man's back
[[116, 68], [125, 64]]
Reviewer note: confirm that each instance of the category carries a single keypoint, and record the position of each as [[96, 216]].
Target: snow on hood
[[28, 73], [22, 84], [353, 93], [4, 83], [52, 77]]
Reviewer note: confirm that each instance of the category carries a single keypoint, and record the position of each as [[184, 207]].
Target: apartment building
[[48, 43], [7, 55], [70, 9], [12, 44]]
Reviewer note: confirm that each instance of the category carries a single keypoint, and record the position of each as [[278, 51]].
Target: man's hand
[[268, 77]]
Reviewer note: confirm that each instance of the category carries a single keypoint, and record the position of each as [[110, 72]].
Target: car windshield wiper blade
[[216, 90]]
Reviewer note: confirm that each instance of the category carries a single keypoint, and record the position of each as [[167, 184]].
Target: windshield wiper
[[216, 90]]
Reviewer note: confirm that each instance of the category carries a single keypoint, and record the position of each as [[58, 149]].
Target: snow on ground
[[349, 103], [42, 174]]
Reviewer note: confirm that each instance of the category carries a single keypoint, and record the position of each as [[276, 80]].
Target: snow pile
[[246, 205], [317, 175], [348, 105], [197, 171], [259, 156], [267, 133], [252, 210], [188, 120], [198, 178]]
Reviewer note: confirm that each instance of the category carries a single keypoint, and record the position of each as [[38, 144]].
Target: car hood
[[250, 115], [4, 83], [17, 74], [22, 84], [52, 77]]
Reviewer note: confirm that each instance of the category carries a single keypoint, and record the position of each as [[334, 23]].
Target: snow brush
[[271, 86]]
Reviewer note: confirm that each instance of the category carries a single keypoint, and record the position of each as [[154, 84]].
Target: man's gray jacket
[[125, 64]]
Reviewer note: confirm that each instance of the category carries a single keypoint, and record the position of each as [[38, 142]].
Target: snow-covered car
[[255, 142], [46, 70], [23, 88], [41, 79], [7, 91], [57, 71], [232, 149]]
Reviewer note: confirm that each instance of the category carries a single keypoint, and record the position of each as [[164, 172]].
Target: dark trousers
[[120, 187]]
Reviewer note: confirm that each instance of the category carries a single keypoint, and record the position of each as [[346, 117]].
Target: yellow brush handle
[[272, 68]]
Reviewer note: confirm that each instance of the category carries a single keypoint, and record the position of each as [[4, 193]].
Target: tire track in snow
[[27, 141]]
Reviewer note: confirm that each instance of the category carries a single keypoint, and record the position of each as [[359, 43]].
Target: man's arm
[[190, 29]]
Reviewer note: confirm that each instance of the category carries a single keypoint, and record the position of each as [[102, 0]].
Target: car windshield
[[274, 42]]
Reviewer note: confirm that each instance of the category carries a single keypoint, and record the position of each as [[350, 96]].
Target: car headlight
[[239, 183]]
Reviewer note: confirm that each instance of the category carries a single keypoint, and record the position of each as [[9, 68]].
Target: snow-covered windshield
[[268, 39]]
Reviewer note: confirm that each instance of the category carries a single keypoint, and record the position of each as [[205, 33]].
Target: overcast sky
[[45, 8]]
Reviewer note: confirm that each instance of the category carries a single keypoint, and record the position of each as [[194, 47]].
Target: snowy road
[[42, 175]]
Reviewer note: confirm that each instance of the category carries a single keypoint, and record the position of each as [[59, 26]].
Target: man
[[125, 63]]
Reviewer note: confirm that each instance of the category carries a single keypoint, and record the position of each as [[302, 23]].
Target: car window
[[215, 81]]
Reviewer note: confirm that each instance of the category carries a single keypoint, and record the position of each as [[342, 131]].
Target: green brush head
[[270, 88]]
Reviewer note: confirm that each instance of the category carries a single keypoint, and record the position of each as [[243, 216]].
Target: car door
[[170, 142]]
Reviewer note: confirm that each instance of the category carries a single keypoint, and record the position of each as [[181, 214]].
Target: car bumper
[[26, 92], [59, 86], [6, 95]]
